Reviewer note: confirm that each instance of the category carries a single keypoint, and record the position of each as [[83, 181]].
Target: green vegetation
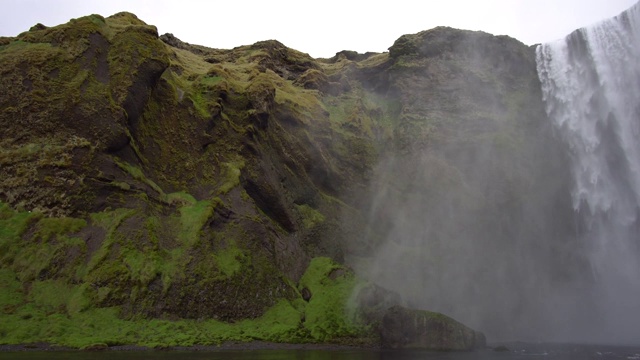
[[11, 295], [192, 218], [327, 315], [310, 216], [104, 325], [137, 174], [12, 225], [230, 176], [229, 260], [48, 227], [64, 313]]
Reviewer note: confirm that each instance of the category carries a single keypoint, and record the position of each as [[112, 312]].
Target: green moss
[[79, 299], [11, 294], [230, 176], [12, 225], [50, 295], [201, 103], [403, 46], [33, 260], [327, 315], [48, 227], [137, 174], [310, 216], [24, 49], [181, 198], [109, 221], [229, 260], [211, 80], [204, 93], [282, 323], [304, 103], [128, 51], [44, 249], [142, 266], [81, 329], [60, 313], [192, 219], [362, 113]]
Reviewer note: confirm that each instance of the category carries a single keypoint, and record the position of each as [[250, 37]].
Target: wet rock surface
[[404, 328]]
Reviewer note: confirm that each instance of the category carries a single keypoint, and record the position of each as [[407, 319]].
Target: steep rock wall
[[172, 181]]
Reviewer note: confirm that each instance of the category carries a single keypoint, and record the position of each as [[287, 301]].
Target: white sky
[[322, 28]]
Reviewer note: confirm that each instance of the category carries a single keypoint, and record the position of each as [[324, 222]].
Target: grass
[[104, 325], [50, 295], [192, 219], [327, 315], [23, 48], [304, 103], [12, 225], [109, 221], [181, 198], [11, 295], [142, 267], [33, 260], [47, 228], [211, 80], [61, 313], [201, 104]]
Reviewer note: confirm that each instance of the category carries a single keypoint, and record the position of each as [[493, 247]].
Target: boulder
[[404, 328]]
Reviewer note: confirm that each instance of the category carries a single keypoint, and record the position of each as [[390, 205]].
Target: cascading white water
[[591, 89]]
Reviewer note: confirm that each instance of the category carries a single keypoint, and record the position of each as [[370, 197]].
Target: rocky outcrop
[[404, 328]]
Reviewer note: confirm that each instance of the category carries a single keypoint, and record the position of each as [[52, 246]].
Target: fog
[[539, 244]]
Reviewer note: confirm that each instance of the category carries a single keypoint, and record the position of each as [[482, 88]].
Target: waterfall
[[591, 90], [538, 240]]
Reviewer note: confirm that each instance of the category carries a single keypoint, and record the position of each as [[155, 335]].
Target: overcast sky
[[322, 28]]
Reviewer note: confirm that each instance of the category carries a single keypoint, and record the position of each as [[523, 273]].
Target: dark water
[[516, 351]]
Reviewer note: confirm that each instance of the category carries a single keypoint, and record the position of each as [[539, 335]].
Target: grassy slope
[[63, 312]]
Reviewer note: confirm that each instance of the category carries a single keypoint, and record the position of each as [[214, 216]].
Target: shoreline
[[232, 346]]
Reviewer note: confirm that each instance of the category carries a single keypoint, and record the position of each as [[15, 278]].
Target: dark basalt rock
[[404, 328]]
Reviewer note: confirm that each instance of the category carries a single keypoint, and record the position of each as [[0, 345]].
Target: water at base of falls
[[591, 89]]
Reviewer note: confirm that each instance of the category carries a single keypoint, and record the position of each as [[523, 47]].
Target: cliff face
[[471, 205], [155, 179]]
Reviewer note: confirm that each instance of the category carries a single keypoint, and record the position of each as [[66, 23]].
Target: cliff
[[162, 193]]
